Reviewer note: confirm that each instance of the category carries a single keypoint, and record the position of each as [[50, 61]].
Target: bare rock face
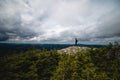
[[72, 49]]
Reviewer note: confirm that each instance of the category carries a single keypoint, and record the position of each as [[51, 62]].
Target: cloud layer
[[59, 21]]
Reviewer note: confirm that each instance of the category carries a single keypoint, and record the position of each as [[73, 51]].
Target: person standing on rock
[[76, 41]]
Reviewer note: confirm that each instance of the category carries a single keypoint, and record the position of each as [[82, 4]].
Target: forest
[[94, 64]]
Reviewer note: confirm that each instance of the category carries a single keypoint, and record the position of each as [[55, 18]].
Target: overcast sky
[[60, 21]]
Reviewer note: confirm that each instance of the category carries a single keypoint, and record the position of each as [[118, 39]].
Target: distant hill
[[10, 48]]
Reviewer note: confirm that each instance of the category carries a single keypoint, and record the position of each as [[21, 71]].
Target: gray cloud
[[59, 21]]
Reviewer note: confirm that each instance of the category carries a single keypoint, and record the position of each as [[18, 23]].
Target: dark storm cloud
[[59, 21], [11, 23], [110, 26]]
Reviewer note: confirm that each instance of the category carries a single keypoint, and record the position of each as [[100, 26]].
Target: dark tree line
[[94, 64]]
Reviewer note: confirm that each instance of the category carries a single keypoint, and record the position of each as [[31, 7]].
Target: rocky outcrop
[[72, 49]]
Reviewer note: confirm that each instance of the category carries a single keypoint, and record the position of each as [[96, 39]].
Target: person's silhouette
[[76, 41]]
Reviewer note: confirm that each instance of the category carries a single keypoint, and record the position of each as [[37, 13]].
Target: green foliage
[[95, 64], [32, 65]]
